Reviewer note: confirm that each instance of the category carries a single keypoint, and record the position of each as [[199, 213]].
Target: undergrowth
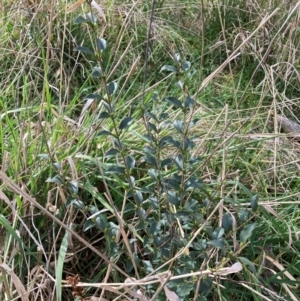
[[141, 153]]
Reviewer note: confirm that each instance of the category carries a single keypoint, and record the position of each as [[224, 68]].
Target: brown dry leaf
[[235, 268], [289, 126], [17, 282], [171, 296]]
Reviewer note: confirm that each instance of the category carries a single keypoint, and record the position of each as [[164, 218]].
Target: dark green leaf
[[130, 161], [227, 221], [249, 263], [218, 233], [254, 202], [57, 166], [153, 173], [94, 96], [149, 114], [178, 125], [101, 221], [84, 49], [173, 101], [173, 198], [114, 249], [187, 144], [88, 225], [151, 160], [80, 20], [243, 215], [103, 115], [171, 184], [189, 102], [104, 133], [217, 243], [101, 44], [55, 179], [165, 140], [91, 17], [166, 162], [112, 152], [125, 123], [43, 156], [247, 232], [108, 107], [78, 204], [205, 286], [149, 150], [193, 122], [200, 245], [152, 126], [132, 180], [169, 68], [97, 72], [193, 183], [186, 65], [139, 197], [153, 201], [112, 88], [179, 161], [116, 170], [73, 187]]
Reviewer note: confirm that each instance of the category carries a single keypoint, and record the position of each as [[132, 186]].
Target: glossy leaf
[[193, 183], [174, 101], [57, 166], [130, 161], [103, 115], [205, 286], [92, 18], [178, 160], [78, 204], [189, 102], [94, 96], [125, 123], [116, 170], [178, 125], [139, 197], [89, 224], [218, 233], [104, 133], [101, 221], [243, 214], [173, 198], [186, 65], [227, 221], [97, 72], [80, 20], [73, 187], [84, 50], [254, 202], [43, 156], [151, 160], [112, 88], [55, 179], [249, 263], [153, 173], [101, 44], [217, 243], [112, 152], [247, 232], [168, 68], [152, 126]]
